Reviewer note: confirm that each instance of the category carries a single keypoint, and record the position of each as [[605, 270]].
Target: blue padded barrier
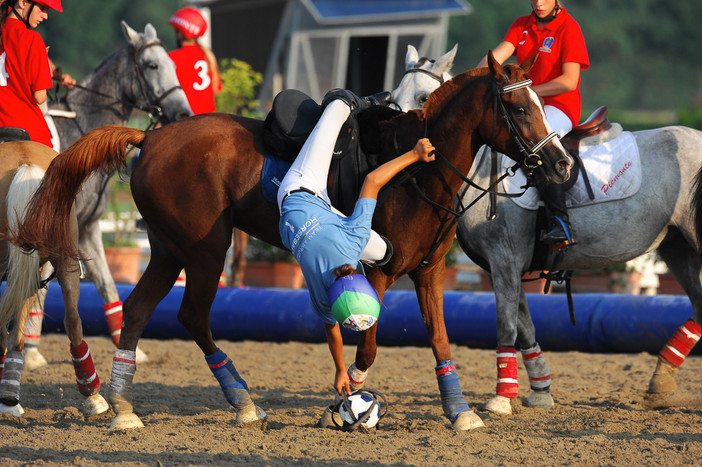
[[605, 322]]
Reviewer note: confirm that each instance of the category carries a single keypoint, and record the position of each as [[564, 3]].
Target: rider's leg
[[311, 167], [553, 194]]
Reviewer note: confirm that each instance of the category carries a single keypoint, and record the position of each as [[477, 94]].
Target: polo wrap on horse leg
[[536, 367], [32, 330], [507, 382], [452, 399], [680, 345], [10, 384], [123, 368], [113, 315], [86, 376], [233, 386], [357, 377]]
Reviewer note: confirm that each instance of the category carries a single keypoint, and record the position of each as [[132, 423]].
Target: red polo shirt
[[557, 42], [24, 69], [195, 77]]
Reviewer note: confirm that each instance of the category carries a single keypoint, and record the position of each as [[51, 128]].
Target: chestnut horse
[[22, 166], [199, 178]]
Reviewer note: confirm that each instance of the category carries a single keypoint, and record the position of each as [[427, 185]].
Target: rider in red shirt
[[552, 33], [196, 65], [25, 73]]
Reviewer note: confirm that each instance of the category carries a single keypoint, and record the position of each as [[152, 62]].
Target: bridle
[[153, 107], [416, 69], [531, 161]]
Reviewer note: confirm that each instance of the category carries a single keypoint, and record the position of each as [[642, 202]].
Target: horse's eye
[[153, 65], [423, 98], [521, 111]]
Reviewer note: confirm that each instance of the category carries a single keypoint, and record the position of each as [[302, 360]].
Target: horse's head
[[517, 126], [422, 76], [155, 89]]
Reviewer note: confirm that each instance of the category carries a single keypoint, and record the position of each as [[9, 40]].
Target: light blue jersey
[[322, 240]]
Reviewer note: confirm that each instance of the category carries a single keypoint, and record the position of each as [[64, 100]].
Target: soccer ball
[[359, 403]]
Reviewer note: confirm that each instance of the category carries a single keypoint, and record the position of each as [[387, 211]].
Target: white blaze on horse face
[[537, 101]]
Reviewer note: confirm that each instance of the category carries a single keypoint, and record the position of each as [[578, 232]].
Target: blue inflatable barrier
[[605, 322]]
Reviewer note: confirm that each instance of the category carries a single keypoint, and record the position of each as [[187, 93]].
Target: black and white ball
[[359, 404]]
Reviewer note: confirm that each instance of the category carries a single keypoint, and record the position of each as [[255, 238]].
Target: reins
[[153, 108], [531, 161]]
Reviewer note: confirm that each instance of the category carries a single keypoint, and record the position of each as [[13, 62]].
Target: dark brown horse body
[[199, 178]]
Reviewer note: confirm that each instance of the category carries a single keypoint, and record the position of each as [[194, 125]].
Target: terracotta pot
[[124, 263], [273, 274]]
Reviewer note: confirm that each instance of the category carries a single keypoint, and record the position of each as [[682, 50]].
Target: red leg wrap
[[507, 383], [86, 376], [682, 342], [113, 315]]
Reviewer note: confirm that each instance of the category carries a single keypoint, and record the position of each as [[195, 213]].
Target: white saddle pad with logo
[[613, 167]]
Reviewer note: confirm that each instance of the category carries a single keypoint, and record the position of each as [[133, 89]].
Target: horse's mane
[[438, 99]]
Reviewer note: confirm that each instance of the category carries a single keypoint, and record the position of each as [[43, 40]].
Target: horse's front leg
[[429, 284], [86, 376]]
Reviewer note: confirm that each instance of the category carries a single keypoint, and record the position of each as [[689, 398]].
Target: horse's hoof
[[14, 410], [467, 421], [141, 357], [327, 419], [126, 421], [33, 359], [249, 414], [499, 405], [540, 400], [94, 405], [663, 380]]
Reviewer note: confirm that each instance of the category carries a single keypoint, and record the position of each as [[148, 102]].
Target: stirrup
[[557, 243]]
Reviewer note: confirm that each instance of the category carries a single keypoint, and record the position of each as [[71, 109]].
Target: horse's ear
[[411, 57], [150, 32], [495, 68], [526, 66], [445, 62], [129, 33]]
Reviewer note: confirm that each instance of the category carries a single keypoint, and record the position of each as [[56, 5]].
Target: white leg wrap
[[539, 374], [357, 377]]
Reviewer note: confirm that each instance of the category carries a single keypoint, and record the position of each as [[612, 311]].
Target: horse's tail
[[697, 207], [46, 226], [22, 269]]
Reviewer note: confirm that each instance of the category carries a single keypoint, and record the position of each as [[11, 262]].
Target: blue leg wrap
[[233, 386], [452, 399]]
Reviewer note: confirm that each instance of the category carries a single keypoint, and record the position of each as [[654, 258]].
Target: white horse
[[139, 75], [657, 216]]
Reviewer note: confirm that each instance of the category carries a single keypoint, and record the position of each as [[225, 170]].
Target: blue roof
[[346, 11]]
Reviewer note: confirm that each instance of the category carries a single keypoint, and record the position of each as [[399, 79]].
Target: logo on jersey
[[547, 45]]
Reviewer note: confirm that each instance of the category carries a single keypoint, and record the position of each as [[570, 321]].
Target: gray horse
[[609, 233], [141, 76]]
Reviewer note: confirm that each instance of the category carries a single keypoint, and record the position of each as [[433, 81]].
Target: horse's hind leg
[[685, 263], [158, 279], [33, 359], [86, 377], [238, 264], [99, 273], [13, 365], [537, 369], [203, 272]]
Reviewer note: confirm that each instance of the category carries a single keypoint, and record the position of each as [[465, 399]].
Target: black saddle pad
[[9, 133]]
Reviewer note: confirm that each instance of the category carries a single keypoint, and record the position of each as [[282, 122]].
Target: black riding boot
[[559, 230]]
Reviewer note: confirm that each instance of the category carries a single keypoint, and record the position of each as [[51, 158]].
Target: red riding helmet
[[55, 4], [189, 22]]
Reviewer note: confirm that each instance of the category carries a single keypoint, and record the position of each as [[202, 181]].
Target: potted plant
[[119, 233], [269, 266]]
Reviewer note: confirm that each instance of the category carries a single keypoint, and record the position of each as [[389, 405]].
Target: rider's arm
[[501, 53], [40, 96], [336, 344], [379, 177], [565, 82]]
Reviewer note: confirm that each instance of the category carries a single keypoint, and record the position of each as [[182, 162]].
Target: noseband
[[153, 107], [531, 159]]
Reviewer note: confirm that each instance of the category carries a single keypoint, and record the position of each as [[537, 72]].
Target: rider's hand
[[424, 150], [67, 80], [342, 382]]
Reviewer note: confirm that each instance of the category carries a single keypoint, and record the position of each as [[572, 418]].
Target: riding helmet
[[189, 22], [55, 4]]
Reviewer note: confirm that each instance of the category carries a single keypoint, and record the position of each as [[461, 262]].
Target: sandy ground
[[599, 418]]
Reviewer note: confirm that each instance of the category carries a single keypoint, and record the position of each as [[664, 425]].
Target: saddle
[[286, 128], [9, 133]]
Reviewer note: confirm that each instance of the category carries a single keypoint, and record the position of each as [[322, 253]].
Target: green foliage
[[239, 83], [691, 118]]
